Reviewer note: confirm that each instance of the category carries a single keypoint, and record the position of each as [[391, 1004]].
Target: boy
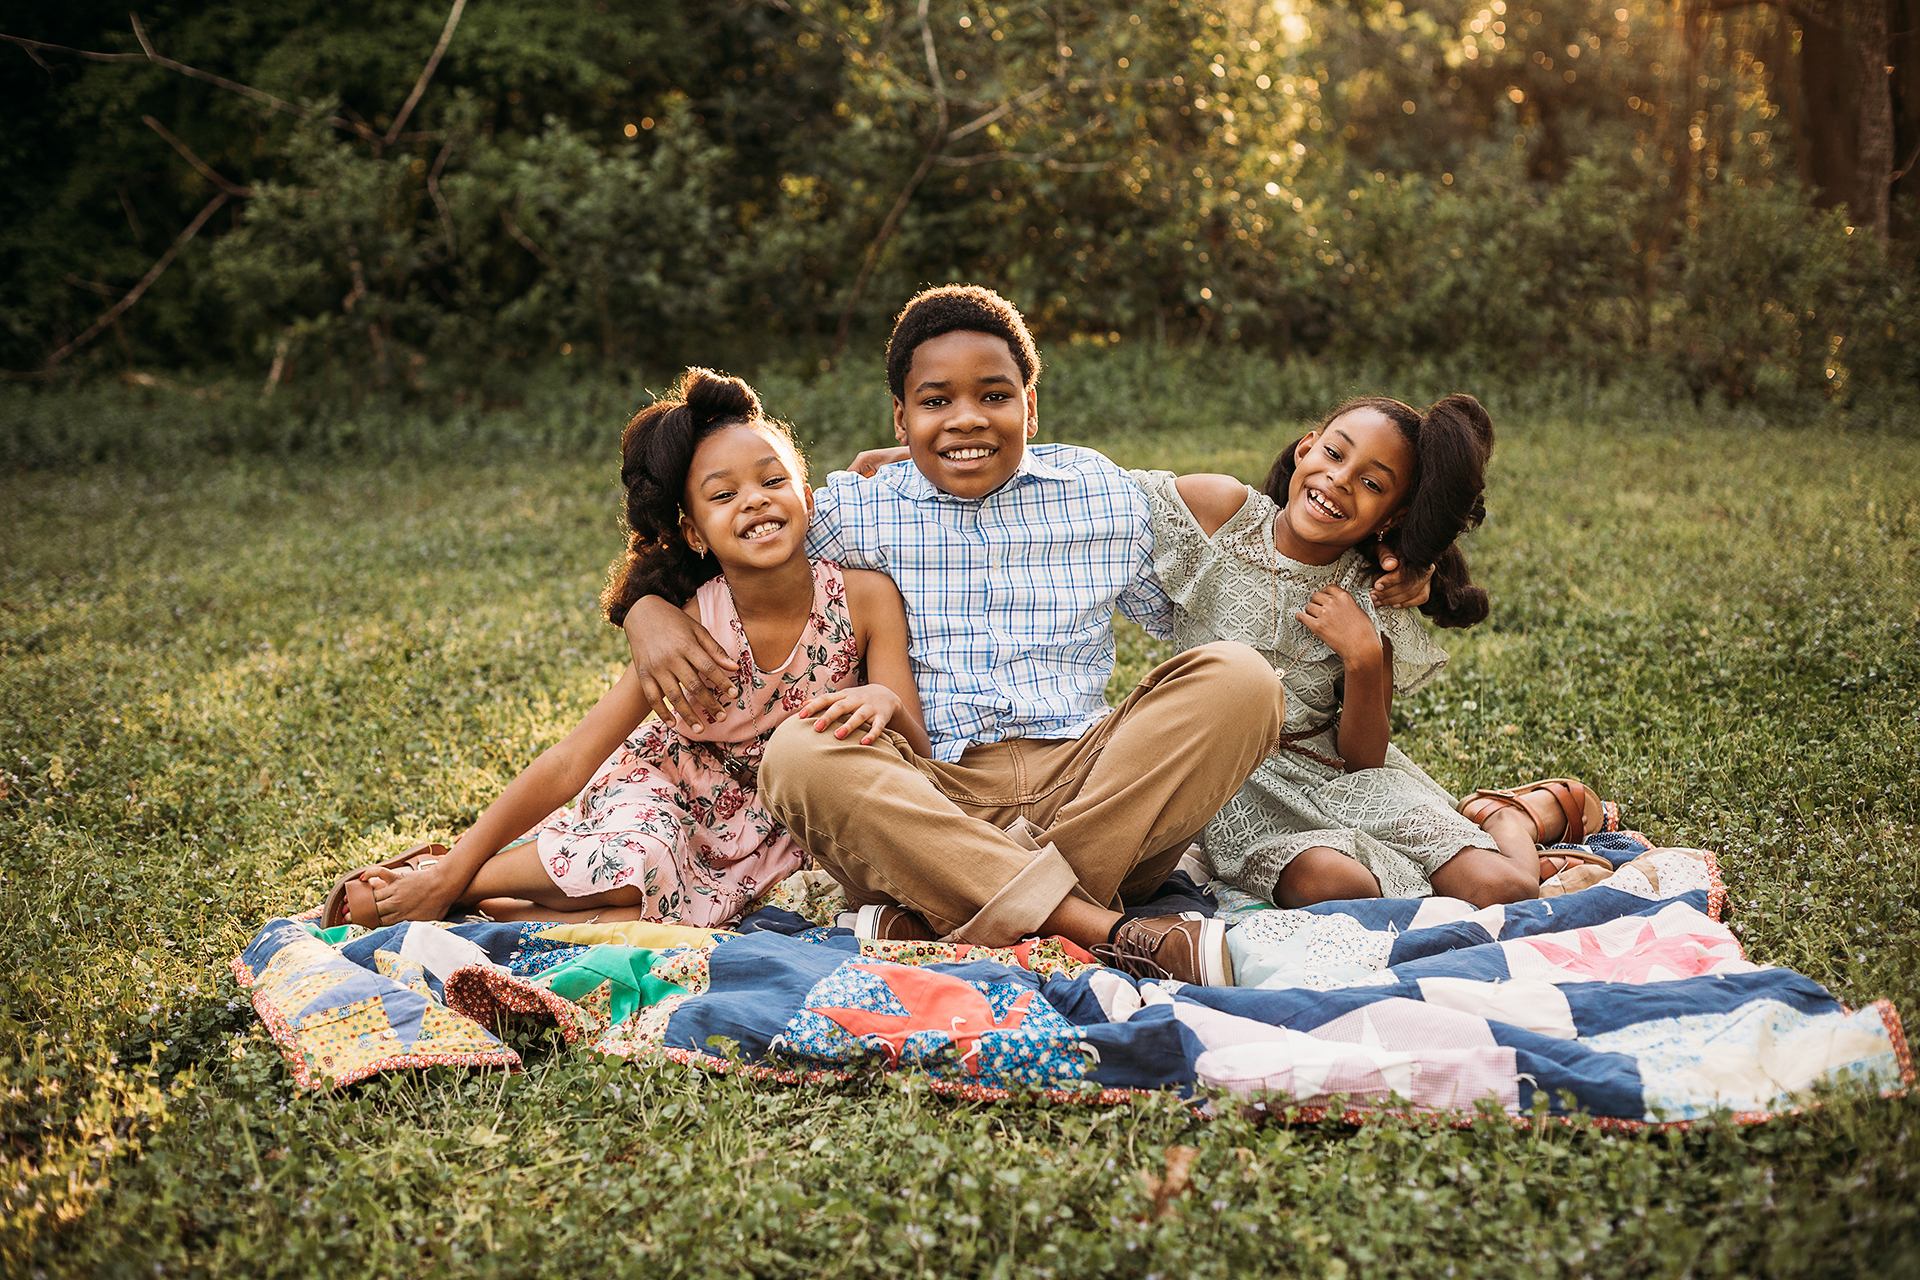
[[1041, 811]]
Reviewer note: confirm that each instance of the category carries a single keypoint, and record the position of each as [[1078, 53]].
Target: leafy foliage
[[1608, 189]]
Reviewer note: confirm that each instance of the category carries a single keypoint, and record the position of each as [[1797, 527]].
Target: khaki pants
[[987, 848]]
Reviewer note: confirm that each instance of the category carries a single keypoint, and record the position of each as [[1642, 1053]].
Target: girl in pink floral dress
[[669, 825]]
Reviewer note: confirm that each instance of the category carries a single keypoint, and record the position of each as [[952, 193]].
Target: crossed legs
[[1104, 814]]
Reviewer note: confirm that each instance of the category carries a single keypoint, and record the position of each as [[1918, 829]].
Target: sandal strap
[[362, 908], [1572, 805], [1568, 793]]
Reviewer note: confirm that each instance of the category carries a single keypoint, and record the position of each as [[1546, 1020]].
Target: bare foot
[[411, 893]]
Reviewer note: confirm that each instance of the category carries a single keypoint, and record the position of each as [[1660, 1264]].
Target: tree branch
[[989, 157], [1906, 168], [894, 214], [433, 189], [426, 72], [278, 104], [94, 286], [267, 99], [30, 45], [114, 312], [1000, 112], [526, 241], [206, 170]]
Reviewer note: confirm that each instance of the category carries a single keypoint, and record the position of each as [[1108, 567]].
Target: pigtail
[[656, 452], [1453, 442]]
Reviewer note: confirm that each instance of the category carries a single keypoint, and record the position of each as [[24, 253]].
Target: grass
[[222, 681]]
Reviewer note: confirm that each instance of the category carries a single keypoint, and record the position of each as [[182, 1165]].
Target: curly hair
[[656, 453], [953, 308], [1451, 443]]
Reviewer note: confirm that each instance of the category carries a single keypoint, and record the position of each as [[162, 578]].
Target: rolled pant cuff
[[1023, 903]]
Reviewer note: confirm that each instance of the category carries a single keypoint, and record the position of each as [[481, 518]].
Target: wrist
[[1371, 659]]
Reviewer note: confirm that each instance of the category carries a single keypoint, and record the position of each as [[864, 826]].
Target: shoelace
[[1132, 956]]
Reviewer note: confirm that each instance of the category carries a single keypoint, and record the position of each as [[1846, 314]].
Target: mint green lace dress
[[1395, 820]]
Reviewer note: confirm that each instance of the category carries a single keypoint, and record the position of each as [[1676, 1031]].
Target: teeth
[[967, 454], [762, 529], [1314, 497]]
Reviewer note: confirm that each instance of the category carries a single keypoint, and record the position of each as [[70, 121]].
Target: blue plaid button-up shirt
[[1010, 598]]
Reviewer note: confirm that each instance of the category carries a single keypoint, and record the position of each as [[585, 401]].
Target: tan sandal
[[351, 899], [1584, 811], [1555, 861], [1573, 879]]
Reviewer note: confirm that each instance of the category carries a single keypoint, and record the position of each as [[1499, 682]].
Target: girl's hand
[[871, 704], [868, 461], [1399, 588], [1337, 618]]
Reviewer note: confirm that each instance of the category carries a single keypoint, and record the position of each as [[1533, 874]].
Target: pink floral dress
[[674, 810]]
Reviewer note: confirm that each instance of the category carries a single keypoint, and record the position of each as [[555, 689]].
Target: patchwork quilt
[[1628, 1001]]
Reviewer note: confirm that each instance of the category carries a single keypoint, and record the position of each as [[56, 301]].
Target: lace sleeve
[[1180, 550], [1416, 658]]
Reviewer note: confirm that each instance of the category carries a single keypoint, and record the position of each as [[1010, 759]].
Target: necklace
[[1291, 741], [1273, 583], [746, 772], [753, 664]]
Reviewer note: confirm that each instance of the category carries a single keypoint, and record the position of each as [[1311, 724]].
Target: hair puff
[[656, 453]]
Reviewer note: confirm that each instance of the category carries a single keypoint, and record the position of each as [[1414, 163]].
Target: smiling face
[[968, 414], [746, 500], [1350, 480]]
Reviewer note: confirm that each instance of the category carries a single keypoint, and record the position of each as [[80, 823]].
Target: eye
[[995, 397], [1332, 452], [934, 402], [773, 482], [721, 496], [1371, 485]]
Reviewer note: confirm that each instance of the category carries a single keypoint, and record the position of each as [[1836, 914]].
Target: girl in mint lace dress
[[1337, 811]]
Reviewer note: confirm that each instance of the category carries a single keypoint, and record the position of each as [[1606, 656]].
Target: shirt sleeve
[[1145, 600], [824, 531]]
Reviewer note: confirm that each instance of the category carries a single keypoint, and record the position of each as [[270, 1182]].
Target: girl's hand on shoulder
[[873, 705], [1337, 618], [869, 461]]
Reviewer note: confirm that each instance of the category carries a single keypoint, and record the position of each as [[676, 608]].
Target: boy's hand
[[868, 461], [1337, 618], [679, 663], [874, 705], [1400, 589]]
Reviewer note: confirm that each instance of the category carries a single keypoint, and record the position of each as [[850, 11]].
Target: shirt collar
[[908, 481]]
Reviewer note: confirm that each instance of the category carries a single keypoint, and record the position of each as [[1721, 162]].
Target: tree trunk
[[1903, 51], [1873, 163], [1784, 87], [1832, 159]]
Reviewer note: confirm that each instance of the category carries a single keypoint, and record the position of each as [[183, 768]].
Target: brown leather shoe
[[1188, 948], [887, 923]]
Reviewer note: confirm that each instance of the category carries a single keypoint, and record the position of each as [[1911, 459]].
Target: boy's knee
[[1241, 680], [794, 757]]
